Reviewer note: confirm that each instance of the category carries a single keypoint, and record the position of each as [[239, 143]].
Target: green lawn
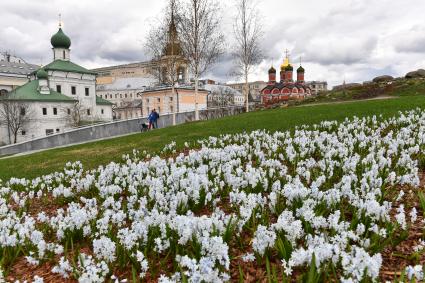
[[102, 152]]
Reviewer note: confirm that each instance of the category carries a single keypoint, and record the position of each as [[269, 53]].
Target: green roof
[[60, 40], [101, 101], [29, 92], [42, 74], [67, 66]]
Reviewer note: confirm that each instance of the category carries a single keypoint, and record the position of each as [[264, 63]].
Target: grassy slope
[[102, 152], [399, 87]]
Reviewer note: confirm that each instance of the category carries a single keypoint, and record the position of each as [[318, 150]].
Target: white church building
[[55, 94]]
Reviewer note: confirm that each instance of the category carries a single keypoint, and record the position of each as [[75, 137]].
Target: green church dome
[[289, 68], [41, 74], [272, 70], [60, 40], [300, 70]]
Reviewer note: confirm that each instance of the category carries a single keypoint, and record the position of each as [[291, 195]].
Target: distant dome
[[272, 70], [41, 74], [60, 40], [289, 68], [300, 69]]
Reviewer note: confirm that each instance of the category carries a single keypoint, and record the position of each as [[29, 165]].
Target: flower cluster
[[317, 195]]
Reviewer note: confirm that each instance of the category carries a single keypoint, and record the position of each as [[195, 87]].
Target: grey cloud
[[412, 40]]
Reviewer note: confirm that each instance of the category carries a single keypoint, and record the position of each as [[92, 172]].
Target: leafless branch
[[15, 115], [247, 52], [163, 45], [74, 114], [202, 39]]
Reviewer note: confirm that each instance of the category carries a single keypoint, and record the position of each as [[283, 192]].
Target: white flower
[[144, 265], [263, 238], [415, 272], [63, 268], [249, 257], [104, 248], [401, 217], [413, 215]]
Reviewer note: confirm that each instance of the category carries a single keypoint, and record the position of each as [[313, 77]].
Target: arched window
[[180, 74], [285, 91], [275, 91], [3, 92], [63, 52]]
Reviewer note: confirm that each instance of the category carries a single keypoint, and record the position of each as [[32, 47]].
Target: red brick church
[[285, 89]]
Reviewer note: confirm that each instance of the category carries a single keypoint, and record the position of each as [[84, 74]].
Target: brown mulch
[[395, 259], [22, 270]]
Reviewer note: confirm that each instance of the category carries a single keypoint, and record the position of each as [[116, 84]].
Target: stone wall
[[106, 130]]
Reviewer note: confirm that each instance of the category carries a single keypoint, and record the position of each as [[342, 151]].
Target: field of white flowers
[[317, 204]]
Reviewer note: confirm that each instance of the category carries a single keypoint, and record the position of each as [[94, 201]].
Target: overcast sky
[[337, 39]]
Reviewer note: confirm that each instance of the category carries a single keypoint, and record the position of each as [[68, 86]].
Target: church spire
[[60, 21], [173, 46], [286, 62]]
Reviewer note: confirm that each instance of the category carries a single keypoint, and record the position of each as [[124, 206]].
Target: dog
[[144, 127]]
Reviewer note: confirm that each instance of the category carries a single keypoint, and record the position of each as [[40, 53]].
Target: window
[[88, 112], [55, 111], [102, 111], [87, 90], [116, 95], [49, 132], [120, 95], [57, 130], [22, 111], [159, 99], [126, 95], [63, 54], [44, 111], [131, 95], [23, 132], [69, 111], [73, 90], [59, 88], [171, 98]]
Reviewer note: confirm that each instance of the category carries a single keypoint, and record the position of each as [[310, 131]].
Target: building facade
[[14, 72], [162, 99], [255, 89], [317, 86], [126, 96], [55, 95], [223, 96], [285, 88]]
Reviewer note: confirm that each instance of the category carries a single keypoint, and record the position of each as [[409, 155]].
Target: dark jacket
[[152, 117]]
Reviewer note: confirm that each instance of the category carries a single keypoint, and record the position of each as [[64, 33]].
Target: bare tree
[[15, 115], [202, 39], [163, 43], [247, 31], [74, 113]]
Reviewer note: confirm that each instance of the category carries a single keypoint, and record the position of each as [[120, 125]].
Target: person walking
[[155, 121], [151, 119]]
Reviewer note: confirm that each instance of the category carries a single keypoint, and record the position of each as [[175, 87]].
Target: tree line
[[202, 42]]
